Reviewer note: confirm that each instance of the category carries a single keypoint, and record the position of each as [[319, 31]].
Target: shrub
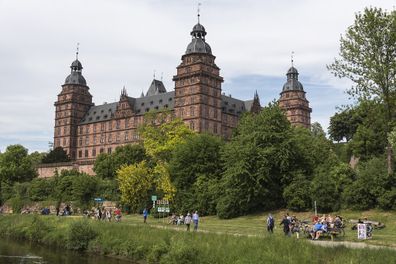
[[79, 234], [38, 229]]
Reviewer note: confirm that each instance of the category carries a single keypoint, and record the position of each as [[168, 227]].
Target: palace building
[[84, 130]]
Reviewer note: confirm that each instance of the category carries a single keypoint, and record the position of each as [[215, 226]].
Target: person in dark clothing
[[286, 225], [270, 223]]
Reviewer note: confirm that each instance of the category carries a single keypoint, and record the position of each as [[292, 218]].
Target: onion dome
[[198, 43], [292, 83], [75, 76]]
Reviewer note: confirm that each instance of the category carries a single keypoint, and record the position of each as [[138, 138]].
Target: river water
[[15, 252]]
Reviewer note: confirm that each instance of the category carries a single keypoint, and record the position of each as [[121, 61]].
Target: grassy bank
[[152, 245]]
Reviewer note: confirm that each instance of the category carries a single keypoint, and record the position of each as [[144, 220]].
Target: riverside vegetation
[[142, 243]]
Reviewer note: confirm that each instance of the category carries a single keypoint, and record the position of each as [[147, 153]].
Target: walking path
[[349, 244]]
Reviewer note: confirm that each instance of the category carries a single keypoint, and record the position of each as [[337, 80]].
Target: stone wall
[[48, 170]]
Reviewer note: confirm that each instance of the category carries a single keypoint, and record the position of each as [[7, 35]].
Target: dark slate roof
[[198, 45], [99, 113], [140, 106], [156, 102], [156, 87], [75, 78], [160, 101], [292, 83], [234, 106]]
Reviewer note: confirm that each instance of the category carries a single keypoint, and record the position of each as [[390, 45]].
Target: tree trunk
[[389, 158]]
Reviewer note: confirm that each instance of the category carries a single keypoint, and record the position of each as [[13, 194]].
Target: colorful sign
[[362, 231]]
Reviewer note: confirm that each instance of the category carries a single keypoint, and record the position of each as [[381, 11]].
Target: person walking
[[145, 214], [187, 221], [270, 223], [195, 219], [286, 225]]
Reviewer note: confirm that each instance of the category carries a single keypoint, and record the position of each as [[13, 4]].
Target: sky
[[122, 43]]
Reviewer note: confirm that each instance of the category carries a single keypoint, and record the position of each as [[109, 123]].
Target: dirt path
[[348, 244]]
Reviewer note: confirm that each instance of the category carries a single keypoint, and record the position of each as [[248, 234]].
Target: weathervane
[[292, 58], [154, 74], [77, 50], [198, 10]]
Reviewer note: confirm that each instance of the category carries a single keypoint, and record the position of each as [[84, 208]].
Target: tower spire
[[292, 58], [77, 50], [154, 74], [198, 12]]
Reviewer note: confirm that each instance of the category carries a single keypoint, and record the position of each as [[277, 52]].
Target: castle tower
[[72, 104], [293, 102], [197, 98]]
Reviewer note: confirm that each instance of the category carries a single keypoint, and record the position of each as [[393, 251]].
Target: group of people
[[185, 220], [104, 214], [291, 225]]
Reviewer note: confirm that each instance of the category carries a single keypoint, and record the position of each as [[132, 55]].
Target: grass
[[255, 225], [134, 240]]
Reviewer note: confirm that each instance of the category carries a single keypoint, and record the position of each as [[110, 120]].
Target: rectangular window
[[94, 139], [109, 150], [102, 138], [86, 140], [118, 124], [102, 127], [86, 153], [81, 130], [101, 150], [126, 123], [94, 152], [118, 137], [87, 129], [80, 141], [80, 153], [94, 128], [110, 138], [126, 136], [110, 125]]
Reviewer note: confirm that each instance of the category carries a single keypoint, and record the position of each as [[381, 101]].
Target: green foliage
[[343, 125], [57, 154], [161, 139], [106, 165], [255, 162], [79, 234], [195, 170], [40, 189], [297, 194], [135, 182], [324, 191], [367, 57], [84, 189], [16, 165], [372, 185]]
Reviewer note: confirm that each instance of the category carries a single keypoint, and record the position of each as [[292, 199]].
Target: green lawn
[[255, 225]]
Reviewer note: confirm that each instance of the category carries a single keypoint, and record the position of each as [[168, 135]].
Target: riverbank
[[139, 242]]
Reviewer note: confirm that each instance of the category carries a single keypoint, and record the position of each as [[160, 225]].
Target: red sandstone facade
[[84, 130]]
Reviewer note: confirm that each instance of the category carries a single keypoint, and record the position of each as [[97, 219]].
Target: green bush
[[38, 229], [79, 234]]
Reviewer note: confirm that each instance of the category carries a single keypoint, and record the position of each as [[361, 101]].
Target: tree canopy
[[368, 58]]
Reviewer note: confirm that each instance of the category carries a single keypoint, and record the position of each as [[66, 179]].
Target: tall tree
[[368, 58], [58, 154], [16, 165]]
